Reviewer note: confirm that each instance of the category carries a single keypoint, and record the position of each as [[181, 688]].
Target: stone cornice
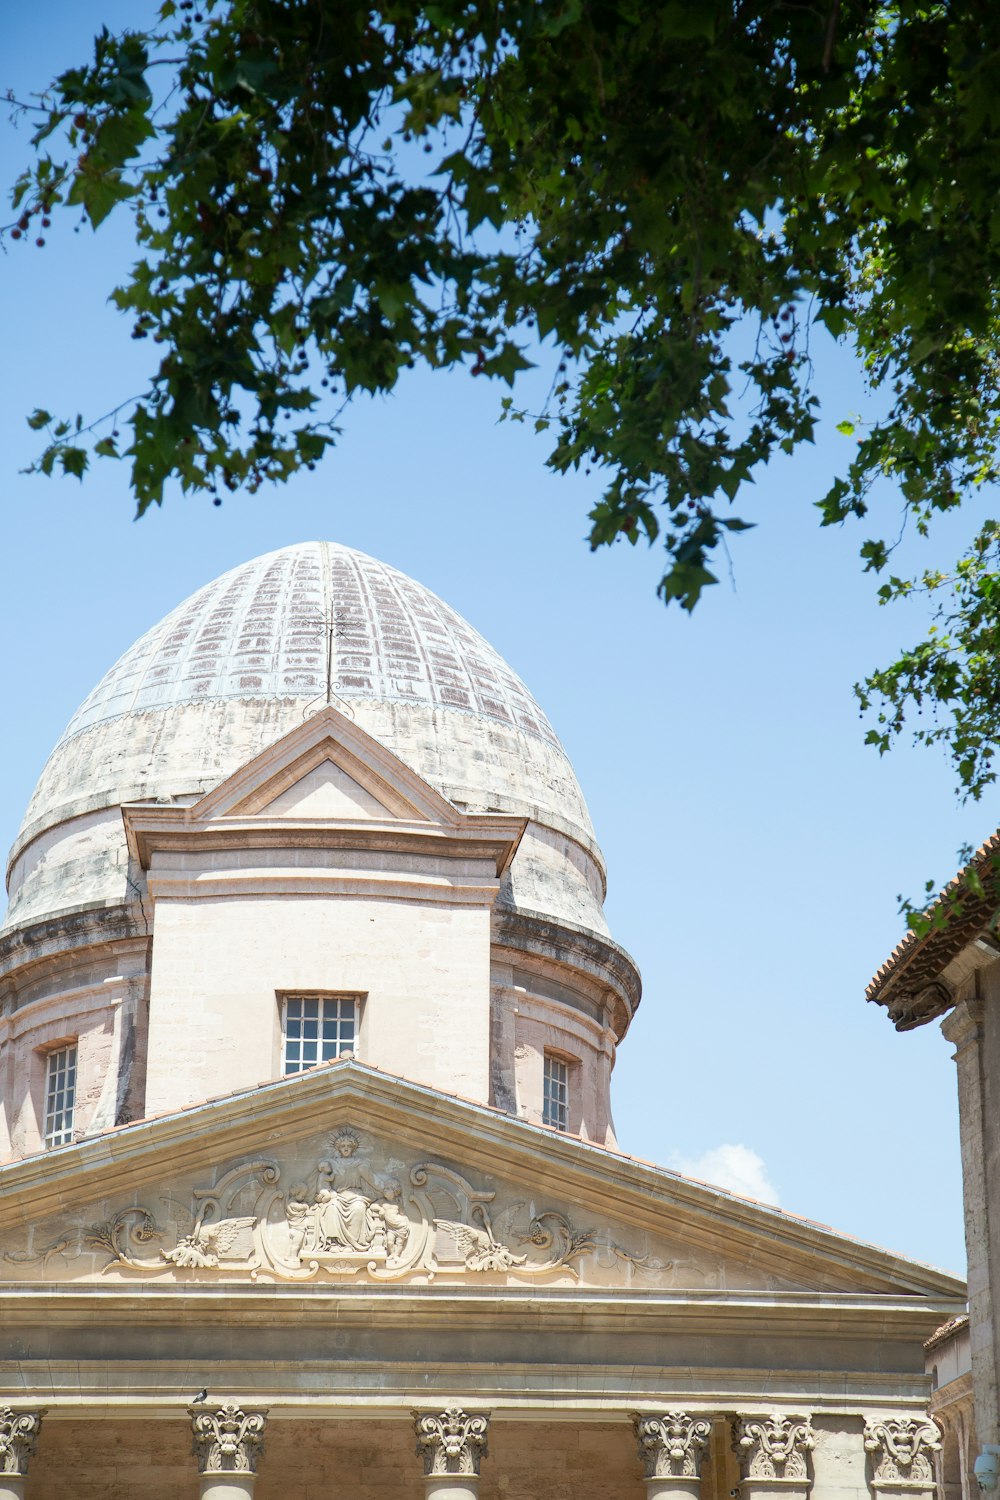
[[166, 830], [515, 1390], [590, 1309], [71, 933], [577, 948], [347, 1091]]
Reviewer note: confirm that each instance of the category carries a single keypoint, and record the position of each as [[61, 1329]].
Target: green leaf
[[39, 419], [73, 460]]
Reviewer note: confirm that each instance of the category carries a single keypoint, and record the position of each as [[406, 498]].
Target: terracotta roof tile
[[905, 983]]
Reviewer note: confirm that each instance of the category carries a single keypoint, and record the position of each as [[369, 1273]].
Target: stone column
[[901, 1449], [671, 1447], [228, 1441], [18, 1439], [964, 1027], [451, 1442], [773, 1453]]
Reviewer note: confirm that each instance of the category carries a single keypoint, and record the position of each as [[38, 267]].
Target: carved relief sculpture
[[227, 1439], [18, 1439], [671, 1446], [348, 1219], [452, 1441], [901, 1449], [357, 1211], [774, 1447]]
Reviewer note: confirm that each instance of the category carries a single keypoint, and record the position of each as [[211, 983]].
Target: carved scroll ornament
[[901, 1449], [18, 1439], [227, 1439], [350, 1219], [773, 1447], [452, 1441], [672, 1446], [355, 1212]]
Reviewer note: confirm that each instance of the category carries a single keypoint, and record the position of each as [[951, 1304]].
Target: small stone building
[[308, 1014]]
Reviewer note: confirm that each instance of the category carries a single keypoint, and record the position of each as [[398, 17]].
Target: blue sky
[[755, 846]]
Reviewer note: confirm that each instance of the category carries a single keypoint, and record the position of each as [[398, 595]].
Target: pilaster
[[18, 1440], [671, 1447], [773, 1452], [452, 1443], [964, 1028], [229, 1443]]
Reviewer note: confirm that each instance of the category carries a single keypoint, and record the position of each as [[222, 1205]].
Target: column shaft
[[225, 1486], [964, 1027], [673, 1489], [452, 1486]]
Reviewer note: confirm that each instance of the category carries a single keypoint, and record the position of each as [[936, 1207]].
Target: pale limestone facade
[[953, 972], [422, 1268]]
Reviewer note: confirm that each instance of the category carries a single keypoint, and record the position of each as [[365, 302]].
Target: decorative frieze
[[357, 1211], [672, 1446], [18, 1439], [452, 1441], [227, 1439], [901, 1449], [774, 1447], [347, 1206]]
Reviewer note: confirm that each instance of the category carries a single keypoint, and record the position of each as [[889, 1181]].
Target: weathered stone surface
[[238, 665]]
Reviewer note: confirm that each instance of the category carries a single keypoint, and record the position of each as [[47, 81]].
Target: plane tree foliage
[[326, 194]]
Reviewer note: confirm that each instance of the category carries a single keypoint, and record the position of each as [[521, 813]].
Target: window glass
[[60, 1095], [555, 1096], [318, 1028]]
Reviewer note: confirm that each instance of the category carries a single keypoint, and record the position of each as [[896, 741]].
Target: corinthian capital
[[901, 1449], [18, 1438], [452, 1441], [773, 1447], [227, 1439], [671, 1446]]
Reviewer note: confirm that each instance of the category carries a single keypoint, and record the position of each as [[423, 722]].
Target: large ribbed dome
[[243, 661], [263, 630]]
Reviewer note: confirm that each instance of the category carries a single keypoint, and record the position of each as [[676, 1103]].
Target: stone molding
[[18, 1439], [601, 958], [452, 1441], [901, 1449], [773, 1447], [964, 1023], [227, 1439], [672, 1445]]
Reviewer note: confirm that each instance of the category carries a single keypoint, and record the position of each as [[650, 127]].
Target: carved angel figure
[[393, 1225], [205, 1245], [480, 1250]]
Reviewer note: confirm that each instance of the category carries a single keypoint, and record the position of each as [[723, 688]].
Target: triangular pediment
[[328, 767], [326, 790], [326, 779], [346, 1175]]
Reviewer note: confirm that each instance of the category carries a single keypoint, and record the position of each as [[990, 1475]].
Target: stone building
[[953, 972], [308, 1014]]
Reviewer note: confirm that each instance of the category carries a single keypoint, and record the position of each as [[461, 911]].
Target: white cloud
[[735, 1168]]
